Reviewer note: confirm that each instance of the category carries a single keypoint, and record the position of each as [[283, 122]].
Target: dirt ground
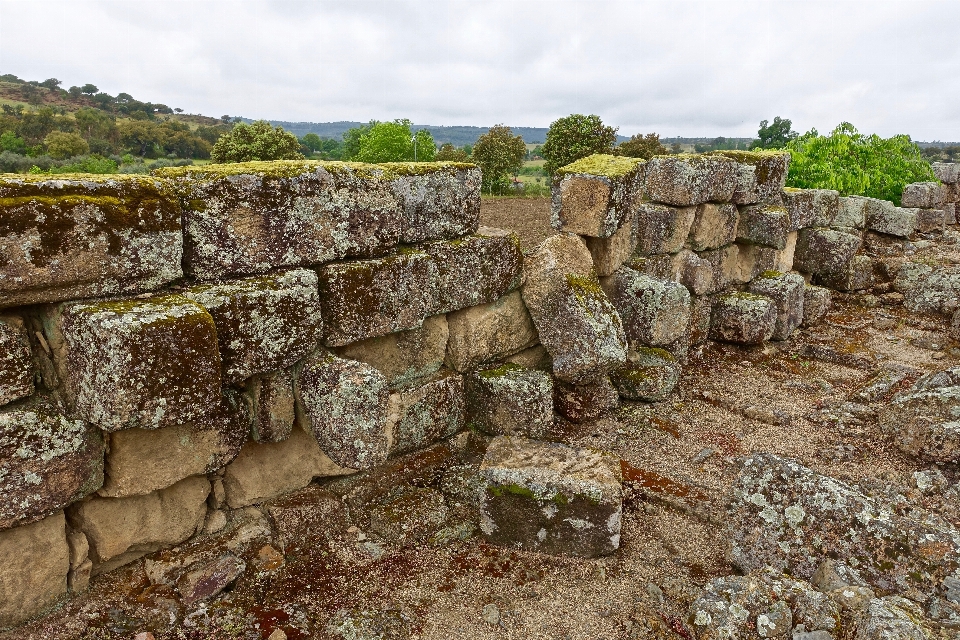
[[334, 578]]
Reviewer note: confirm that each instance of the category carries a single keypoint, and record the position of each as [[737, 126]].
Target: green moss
[[771, 273], [603, 165], [515, 489], [743, 295], [292, 168], [500, 371], [654, 352], [424, 168]]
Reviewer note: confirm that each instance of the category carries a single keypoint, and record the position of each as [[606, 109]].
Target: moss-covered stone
[[824, 251], [771, 168], [439, 200], [16, 368], [249, 218], [857, 275], [786, 292], [596, 195], [611, 252], [424, 413], [489, 332], [816, 304], [683, 180], [145, 363], [663, 229], [923, 195], [649, 375], [478, 269], [745, 318], [655, 312], [84, 236], [510, 400], [47, 461], [263, 323], [551, 498], [763, 225], [811, 207], [585, 402], [884, 217], [369, 298]]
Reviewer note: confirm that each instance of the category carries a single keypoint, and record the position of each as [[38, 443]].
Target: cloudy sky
[[691, 68]]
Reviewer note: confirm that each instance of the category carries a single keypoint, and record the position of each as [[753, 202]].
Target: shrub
[[499, 153], [393, 142], [574, 137], [64, 145], [640, 146], [449, 153], [257, 141]]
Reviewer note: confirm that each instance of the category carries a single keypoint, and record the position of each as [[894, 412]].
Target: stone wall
[[209, 338]]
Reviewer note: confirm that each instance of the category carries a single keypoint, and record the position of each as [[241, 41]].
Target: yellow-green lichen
[[603, 165], [500, 371], [771, 273], [396, 169], [280, 169]]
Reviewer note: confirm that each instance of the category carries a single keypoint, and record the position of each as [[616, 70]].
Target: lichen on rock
[[16, 368]]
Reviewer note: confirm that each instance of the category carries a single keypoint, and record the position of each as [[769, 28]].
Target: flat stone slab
[[16, 368], [596, 195], [62, 239], [551, 498], [489, 332], [510, 400], [438, 200]]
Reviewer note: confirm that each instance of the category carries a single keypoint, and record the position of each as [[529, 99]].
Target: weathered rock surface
[[424, 413], [551, 498], [596, 195], [510, 400], [438, 200], [654, 312], [406, 355], [478, 269], [47, 461], [683, 180], [892, 618], [271, 402], [586, 401], [922, 195], [489, 332], [764, 225], [770, 169], [16, 369], [408, 515], [786, 290], [263, 323], [33, 575], [147, 363], [695, 273], [746, 318], [752, 260], [825, 251], [851, 214], [858, 274], [663, 229], [884, 217], [370, 298], [252, 217], [650, 375], [924, 420], [610, 253], [71, 238], [938, 292], [575, 320], [948, 172], [929, 220], [714, 226], [811, 207], [746, 191], [726, 265], [209, 579], [344, 404], [816, 304]]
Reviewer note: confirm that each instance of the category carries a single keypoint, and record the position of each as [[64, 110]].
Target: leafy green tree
[[10, 142], [351, 139], [75, 92], [65, 145], [499, 153], [94, 123], [774, 135], [257, 141], [642, 146], [89, 89], [51, 83], [449, 153], [856, 164], [394, 142], [142, 137], [574, 137], [311, 142]]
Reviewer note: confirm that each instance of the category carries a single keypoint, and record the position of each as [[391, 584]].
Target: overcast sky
[[701, 68]]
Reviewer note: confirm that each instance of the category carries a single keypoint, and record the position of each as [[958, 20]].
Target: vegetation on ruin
[[499, 154], [602, 165], [576, 136]]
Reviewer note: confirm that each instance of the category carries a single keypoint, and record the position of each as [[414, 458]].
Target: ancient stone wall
[[209, 338]]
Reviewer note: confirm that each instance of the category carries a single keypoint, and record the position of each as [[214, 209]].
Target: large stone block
[[746, 191], [576, 321], [764, 225], [816, 304], [585, 402], [16, 369], [344, 403], [406, 355], [77, 238], [714, 226], [551, 498], [654, 312], [266, 470], [33, 575], [650, 374], [885, 217], [140, 461], [610, 253], [851, 213], [856, 275], [370, 298], [662, 229], [683, 180], [950, 213], [922, 195], [146, 363], [823, 251], [47, 461], [695, 273], [947, 172], [752, 260], [510, 400], [478, 269], [938, 292], [439, 200], [786, 290], [811, 207], [701, 308], [771, 168], [263, 323], [489, 332], [430, 411], [925, 419], [271, 402], [725, 263], [746, 318], [931, 219], [253, 217], [596, 195]]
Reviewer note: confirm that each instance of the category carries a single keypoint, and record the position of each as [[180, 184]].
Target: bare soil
[[529, 217]]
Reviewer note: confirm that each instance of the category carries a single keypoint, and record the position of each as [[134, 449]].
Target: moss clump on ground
[[603, 165]]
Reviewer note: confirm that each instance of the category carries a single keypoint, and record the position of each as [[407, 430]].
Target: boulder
[[438, 200], [816, 304], [404, 356], [611, 252], [477, 269], [344, 405], [421, 414], [271, 402], [939, 292], [925, 422], [586, 401], [489, 332], [892, 618], [922, 195], [714, 226], [763, 225], [147, 363], [33, 576], [811, 207], [746, 318], [369, 298], [510, 400], [752, 260], [596, 195], [81, 238], [663, 229], [16, 368], [824, 251], [576, 321], [947, 172], [263, 323], [884, 217], [551, 498], [786, 290], [649, 375], [253, 217], [654, 312], [683, 180], [770, 169], [47, 461]]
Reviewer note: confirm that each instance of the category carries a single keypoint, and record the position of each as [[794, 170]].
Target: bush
[[574, 137], [86, 164], [393, 142], [449, 153], [856, 164], [640, 146], [498, 153], [257, 141], [62, 145]]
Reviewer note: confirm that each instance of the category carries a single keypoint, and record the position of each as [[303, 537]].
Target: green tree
[[10, 142], [394, 142], [257, 141], [642, 146], [449, 153], [65, 145], [94, 123], [774, 135], [856, 164], [142, 137], [89, 89], [499, 153], [352, 137], [75, 92], [51, 83], [574, 137], [311, 142]]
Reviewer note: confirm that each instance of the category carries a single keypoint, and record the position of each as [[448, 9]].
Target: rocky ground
[[395, 553]]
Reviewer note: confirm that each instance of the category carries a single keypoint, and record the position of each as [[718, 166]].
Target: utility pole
[[414, 141]]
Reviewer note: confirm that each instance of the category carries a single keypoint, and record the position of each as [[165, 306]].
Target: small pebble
[[491, 614], [145, 635], [278, 634]]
